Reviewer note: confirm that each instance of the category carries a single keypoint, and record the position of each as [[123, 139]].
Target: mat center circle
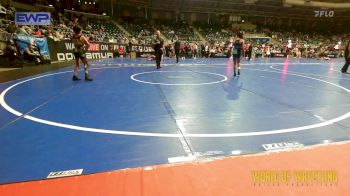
[[180, 78]]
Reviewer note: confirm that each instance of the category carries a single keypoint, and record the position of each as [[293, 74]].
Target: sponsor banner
[[278, 55], [332, 56], [142, 49], [59, 174], [282, 145], [258, 39], [33, 18], [41, 43], [63, 50]]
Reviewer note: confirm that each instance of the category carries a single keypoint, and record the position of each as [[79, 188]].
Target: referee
[[177, 49], [158, 45]]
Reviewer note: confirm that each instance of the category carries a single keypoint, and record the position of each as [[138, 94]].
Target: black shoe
[[87, 78], [234, 74], [239, 73], [75, 78], [344, 72]]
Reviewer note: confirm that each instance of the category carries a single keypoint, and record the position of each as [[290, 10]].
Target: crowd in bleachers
[[140, 30], [180, 29], [214, 33], [309, 45], [216, 37]]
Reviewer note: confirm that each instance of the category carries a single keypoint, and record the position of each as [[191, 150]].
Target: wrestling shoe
[[87, 78], [75, 78]]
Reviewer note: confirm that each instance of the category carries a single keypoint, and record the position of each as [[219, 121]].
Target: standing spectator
[[195, 50], [344, 69], [250, 52], [202, 50], [129, 49], [120, 52]]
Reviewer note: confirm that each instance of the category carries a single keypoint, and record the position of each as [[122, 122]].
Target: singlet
[[79, 51], [158, 44], [237, 48], [77, 41]]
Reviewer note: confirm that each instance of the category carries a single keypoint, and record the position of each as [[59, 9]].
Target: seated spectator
[[49, 35], [11, 28], [29, 30], [74, 22], [58, 35], [10, 51], [37, 32], [32, 55], [61, 24], [21, 30], [3, 10]]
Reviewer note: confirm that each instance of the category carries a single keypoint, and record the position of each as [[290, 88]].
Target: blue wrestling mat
[[134, 115]]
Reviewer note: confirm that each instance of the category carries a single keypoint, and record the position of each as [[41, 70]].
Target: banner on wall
[[63, 50], [41, 43], [33, 18], [258, 39]]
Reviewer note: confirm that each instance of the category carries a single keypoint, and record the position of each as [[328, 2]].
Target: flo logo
[[33, 18], [323, 13]]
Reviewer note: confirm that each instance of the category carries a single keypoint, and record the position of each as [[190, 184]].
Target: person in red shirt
[[37, 32], [120, 51]]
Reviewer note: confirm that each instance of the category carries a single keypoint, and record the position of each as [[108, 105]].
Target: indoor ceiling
[[275, 8]]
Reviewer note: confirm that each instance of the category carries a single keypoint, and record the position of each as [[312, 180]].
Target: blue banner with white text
[[41, 43]]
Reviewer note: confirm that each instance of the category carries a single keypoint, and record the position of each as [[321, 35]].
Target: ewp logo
[[33, 18]]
